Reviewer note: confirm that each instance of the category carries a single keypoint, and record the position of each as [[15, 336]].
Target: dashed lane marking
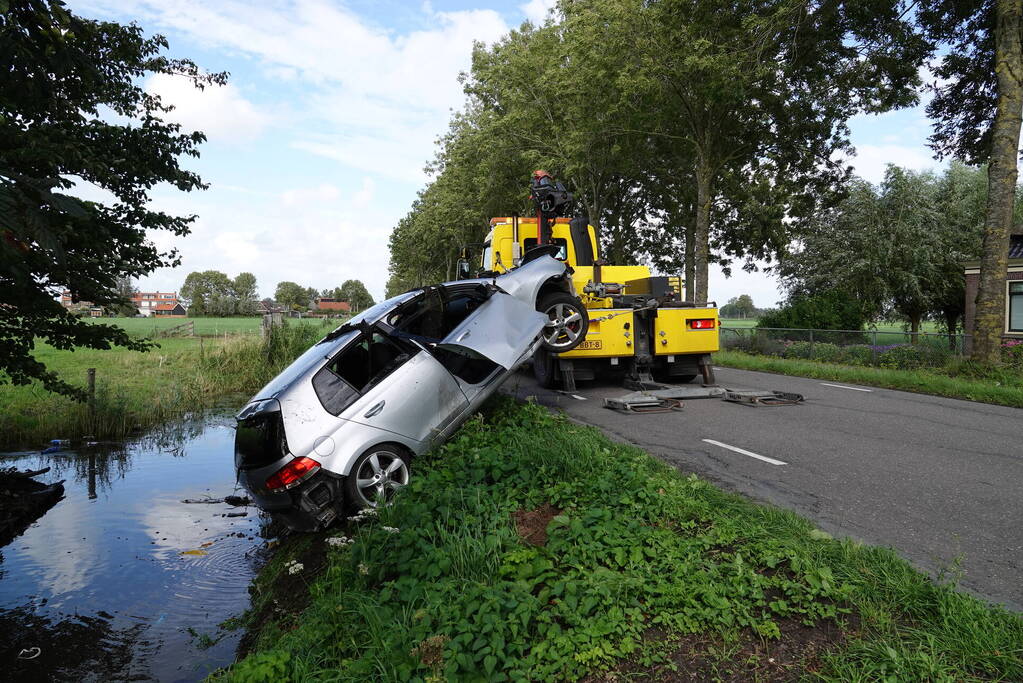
[[842, 386], [751, 454]]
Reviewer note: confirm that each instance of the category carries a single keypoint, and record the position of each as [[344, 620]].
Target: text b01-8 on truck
[[635, 325]]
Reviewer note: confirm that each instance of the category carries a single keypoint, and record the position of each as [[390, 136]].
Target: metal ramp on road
[[670, 399]]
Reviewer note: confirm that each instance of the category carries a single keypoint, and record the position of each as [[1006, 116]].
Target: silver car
[[340, 426]]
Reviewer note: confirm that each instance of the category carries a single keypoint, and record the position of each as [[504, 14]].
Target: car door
[[417, 397], [502, 329]]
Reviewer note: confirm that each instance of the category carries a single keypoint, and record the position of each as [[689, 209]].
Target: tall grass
[[958, 379], [137, 391]]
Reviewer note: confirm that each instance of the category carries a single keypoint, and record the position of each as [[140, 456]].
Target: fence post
[[811, 344], [873, 350], [90, 382]]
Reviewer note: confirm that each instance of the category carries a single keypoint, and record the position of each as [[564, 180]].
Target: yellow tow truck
[[635, 325]]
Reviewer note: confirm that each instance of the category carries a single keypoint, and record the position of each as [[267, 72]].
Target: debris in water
[[235, 514], [194, 552]]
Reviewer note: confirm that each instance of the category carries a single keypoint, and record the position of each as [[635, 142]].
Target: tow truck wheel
[[376, 476], [568, 322], [545, 368]]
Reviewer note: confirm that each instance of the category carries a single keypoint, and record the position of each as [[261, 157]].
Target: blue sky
[[317, 144]]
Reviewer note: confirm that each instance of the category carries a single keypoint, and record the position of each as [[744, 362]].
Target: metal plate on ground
[[660, 400], [763, 398]]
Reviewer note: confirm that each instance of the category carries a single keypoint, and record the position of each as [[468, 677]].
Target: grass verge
[[136, 391], [531, 548], [1000, 388]]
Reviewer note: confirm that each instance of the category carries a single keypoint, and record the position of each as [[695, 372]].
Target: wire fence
[[879, 348]]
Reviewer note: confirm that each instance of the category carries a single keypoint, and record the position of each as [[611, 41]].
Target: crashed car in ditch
[[339, 428]]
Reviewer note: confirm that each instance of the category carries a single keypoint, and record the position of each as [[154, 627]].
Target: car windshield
[[316, 354], [374, 313]]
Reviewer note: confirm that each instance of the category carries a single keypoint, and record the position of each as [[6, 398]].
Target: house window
[[1016, 307]]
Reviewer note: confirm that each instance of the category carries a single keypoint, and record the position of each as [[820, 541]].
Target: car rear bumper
[[312, 505]]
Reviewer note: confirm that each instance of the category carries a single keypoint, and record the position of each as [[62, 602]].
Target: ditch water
[[121, 580]]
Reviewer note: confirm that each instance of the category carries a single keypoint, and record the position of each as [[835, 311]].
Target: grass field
[[532, 548], [204, 327], [137, 390]]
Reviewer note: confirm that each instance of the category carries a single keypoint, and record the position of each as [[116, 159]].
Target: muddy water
[[121, 580]]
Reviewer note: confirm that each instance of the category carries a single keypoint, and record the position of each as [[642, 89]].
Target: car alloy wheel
[[567, 324], [377, 475]]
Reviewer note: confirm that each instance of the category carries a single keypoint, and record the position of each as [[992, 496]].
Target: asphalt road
[[934, 478]]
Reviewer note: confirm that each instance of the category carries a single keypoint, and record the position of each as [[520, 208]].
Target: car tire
[[569, 321], [545, 368], [382, 470]]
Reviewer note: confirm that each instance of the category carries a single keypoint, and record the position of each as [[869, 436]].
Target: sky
[[317, 145]]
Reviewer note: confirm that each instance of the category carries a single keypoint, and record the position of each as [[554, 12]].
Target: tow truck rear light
[[701, 324], [292, 474]]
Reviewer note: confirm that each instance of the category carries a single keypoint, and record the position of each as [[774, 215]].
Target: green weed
[[455, 594]]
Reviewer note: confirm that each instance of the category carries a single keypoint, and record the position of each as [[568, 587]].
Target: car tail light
[[292, 474], [702, 324]]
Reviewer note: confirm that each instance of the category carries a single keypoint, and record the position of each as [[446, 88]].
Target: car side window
[[433, 318], [357, 368]]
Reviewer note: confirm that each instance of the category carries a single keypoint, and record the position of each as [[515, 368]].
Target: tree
[[355, 293], [978, 109], [739, 307], [208, 292], [961, 199], [126, 289], [244, 289], [291, 295], [895, 249], [824, 310], [60, 72]]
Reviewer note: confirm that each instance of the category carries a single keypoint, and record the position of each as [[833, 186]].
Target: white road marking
[[577, 396], [842, 386], [771, 461]]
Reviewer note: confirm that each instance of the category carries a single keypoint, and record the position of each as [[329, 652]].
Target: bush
[[905, 357], [831, 310], [1012, 354], [856, 354]]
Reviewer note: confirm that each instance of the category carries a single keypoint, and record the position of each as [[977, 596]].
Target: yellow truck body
[[678, 341]]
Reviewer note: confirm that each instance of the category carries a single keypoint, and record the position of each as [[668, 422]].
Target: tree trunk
[[1002, 172], [702, 232], [951, 321], [914, 328], [690, 262]]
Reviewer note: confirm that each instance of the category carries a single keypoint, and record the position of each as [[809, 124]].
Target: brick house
[[1013, 328], [149, 302], [329, 305]]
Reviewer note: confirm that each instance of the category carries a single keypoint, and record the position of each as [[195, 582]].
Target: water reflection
[[123, 556]]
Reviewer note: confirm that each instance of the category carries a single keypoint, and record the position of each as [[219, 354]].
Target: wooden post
[[90, 382]]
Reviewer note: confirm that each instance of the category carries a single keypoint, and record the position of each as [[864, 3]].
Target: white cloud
[[341, 87], [220, 112], [318, 236], [304, 196], [376, 86], [536, 10], [871, 160]]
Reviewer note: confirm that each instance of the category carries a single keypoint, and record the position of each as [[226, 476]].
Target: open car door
[[502, 329]]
